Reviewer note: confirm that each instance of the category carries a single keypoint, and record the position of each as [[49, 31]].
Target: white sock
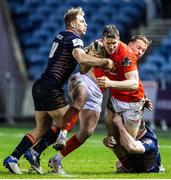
[[63, 133]]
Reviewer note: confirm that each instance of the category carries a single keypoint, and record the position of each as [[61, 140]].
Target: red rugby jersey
[[125, 61]]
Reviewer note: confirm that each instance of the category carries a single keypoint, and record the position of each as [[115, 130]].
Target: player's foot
[[34, 160], [56, 166], [120, 168], [162, 169], [60, 143], [11, 163]]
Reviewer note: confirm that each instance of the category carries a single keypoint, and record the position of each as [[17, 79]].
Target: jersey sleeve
[[77, 43], [128, 64], [149, 145]]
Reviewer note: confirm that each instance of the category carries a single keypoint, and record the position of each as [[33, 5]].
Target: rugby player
[[142, 154], [129, 104], [48, 94]]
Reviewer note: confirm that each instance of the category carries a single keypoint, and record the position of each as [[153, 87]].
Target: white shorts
[[95, 96], [132, 112]]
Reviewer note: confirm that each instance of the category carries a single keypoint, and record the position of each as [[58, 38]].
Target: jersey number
[[53, 49]]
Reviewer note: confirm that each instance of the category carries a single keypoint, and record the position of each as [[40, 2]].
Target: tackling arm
[[129, 143], [93, 50], [86, 59]]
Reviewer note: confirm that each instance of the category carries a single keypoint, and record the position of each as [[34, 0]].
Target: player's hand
[[117, 119], [104, 82], [109, 141], [109, 65], [148, 104]]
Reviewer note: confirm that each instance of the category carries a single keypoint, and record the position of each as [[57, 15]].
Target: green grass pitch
[[92, 160]]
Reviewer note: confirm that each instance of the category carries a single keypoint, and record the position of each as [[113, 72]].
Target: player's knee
[[79, 95], [38, 133], [83, 135], [33, 136]]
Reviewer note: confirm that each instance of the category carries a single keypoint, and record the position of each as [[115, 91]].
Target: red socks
[[71, 145], [70, 118]]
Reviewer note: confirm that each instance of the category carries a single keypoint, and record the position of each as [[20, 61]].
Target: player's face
[[139, 47], [110, 44], [80, 25]]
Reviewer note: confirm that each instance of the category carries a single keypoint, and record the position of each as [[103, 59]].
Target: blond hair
[[71, 15], [141, 37]]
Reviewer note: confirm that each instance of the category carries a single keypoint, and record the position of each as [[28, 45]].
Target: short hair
[[71, 14], [110, 31], [141, 37]]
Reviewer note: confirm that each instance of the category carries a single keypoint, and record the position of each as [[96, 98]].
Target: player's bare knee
[[83, 135]]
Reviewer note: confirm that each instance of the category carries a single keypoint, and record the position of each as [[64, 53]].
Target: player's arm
[[126, 140], [131, 82], [91, 50], [86, 59]]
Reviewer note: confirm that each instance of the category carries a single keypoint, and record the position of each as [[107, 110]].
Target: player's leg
[[88, 123], [89, 117], [112, 130], [78, 92], [56, 105], [133, 116], [43, 122], [33, 154]]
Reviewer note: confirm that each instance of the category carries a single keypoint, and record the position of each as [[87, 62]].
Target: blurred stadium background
[[27, 28]]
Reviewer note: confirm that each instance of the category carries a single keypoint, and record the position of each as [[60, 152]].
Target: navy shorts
[[47, 98]]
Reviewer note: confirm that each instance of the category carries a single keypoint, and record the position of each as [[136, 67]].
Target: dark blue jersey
[[149, 161], [61, 62]]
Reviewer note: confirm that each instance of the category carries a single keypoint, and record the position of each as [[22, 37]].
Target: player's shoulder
[[124, 49], [126, 52], [70, 37], [77, 42]]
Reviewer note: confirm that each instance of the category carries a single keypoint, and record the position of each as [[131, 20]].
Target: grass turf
[[92, 160]]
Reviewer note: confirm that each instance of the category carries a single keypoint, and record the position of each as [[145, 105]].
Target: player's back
[[61, 61]]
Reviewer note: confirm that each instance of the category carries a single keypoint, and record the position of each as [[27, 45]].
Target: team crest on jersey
[[77, 42], [126, 62]]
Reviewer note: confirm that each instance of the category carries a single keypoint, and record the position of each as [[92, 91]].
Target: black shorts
[[47, 98]]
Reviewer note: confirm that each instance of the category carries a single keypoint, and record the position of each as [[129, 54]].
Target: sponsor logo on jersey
[[126, 62], [59, 36], [147, 141], [77, 42]]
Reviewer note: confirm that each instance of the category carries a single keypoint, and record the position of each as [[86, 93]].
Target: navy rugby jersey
[[61, 62], [150, 160]]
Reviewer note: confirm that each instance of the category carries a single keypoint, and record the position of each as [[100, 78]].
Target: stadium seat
[[37, 23], [36, 70], [156, 59], [165, 72], [37, 58], [148, 71], [127, 21]]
